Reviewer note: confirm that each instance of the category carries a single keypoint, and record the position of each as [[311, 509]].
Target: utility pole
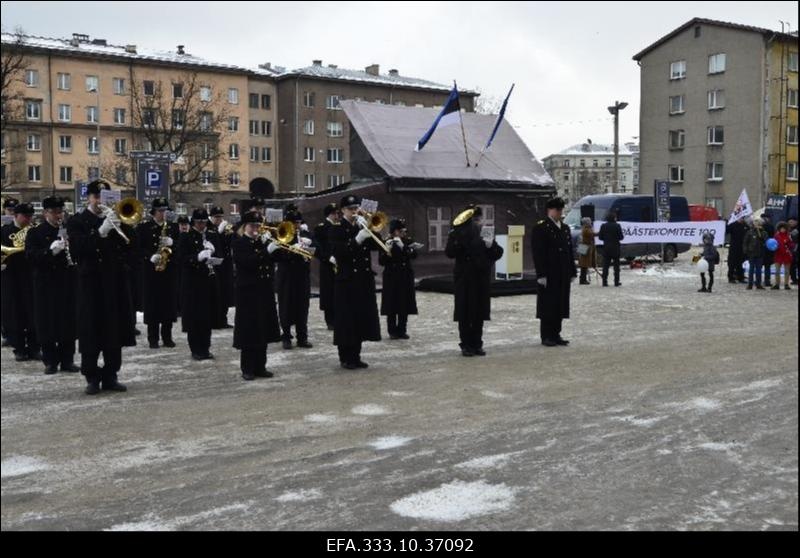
[[615, 111]]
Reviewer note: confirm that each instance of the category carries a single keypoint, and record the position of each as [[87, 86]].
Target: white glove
[[304, 227], [362, 235], [221, 227], [332, 259], [416, 245], [3, 267], [272, 246], [266, 237], [397, 241], [165, 241], [362, 222], [204, 255], [208, 246], [305, 241], [155, 259], [542, 281], [106, 226], [488, 242], [57, 246]]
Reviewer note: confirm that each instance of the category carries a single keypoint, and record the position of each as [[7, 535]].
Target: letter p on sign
[[153, 178]]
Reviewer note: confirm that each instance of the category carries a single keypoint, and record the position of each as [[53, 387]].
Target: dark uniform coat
[[356, 316], [472, 273], [256, 322], [553, 259], [293, 285], [105, 304], [54, 282], [223, 273], [160, 303], [198, 285], [611, 235], [17, 292], [326, 272], [398, 293]]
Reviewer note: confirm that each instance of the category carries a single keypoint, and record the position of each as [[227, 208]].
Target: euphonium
[[165, 251], [284, 234], [18, 240], [377, 222]]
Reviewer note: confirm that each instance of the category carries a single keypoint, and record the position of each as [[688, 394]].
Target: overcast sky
[[569, 60]]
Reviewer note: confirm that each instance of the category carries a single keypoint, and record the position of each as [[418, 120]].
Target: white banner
[[685, 232], [742, 208]]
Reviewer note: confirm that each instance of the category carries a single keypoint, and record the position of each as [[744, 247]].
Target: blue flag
[[499, 118], [450, 115]]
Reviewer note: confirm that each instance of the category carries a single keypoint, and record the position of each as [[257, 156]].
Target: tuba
[[284, 233], [377, 222], [129, 210], [18, 241], [463, 217]]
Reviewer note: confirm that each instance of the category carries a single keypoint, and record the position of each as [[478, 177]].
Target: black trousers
[[397, 323], [62, 353], [24, 341], [199, 341], [550, 329], [607, 262], [112, 362], [301, 329], [254, 359], [471, 334], [710, 280], [166, 332], [735, 270], [793, 270], [349, 354]]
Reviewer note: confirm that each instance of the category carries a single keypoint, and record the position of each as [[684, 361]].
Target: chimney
[[80, 37], [130, 49], [373, 69], [99, 42], [316, 62], [180, 49], [394, 73], [334, 66], [265, 66]]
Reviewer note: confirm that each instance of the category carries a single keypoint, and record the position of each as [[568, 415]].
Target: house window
[[488, 215], [308, 154], [716, 63], [608, 162], [791, 135], [336, 155], [93, 145], [335, 180], [233, 96], [92, 115], [253, 100], [120, 146], [595, 163], [148, 118], [233, 151], [234, 208], [33, 110], [792, 64], [178, 117], [177, 91], [310, 180], [566, 176], [205, 121], [205, 151], [65, 113], [677, 70], [266, 154], [676, 104], [254, 154], [335, 129], [716, 99], [64, 82], [438, 228], [181, 209], [34, 173], [714, 172], [119, 86], [65, 144], [308, 127], [266, 128], [266, 102], [206, 178], [308, 99], [178, 176], [149, 88], [93, 173], [791, 100], [205, 93], [119, 116], [675, 173], [233, 124], [234, 178], [34, 142], [32, 78], [716, 135], [332, 102], [121, 174], [791, 171], [583, 163], [92, 84], [566, 163], [65, 175], [254, 127]]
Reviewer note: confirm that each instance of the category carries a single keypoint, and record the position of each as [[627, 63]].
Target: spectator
[[611, 234], [736, 230], [769, 256], [793, 235], [711, 255], [586, 250], [783, 255], [754, 249]]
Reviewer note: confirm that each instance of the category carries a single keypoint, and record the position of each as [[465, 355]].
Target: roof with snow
[[386, 135], [589, 149]]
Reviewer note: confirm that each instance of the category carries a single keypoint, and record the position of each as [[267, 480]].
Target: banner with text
[[685, 232]]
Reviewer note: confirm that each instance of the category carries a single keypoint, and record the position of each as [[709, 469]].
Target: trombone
[[284, 233], [377, 222], [129, 210]]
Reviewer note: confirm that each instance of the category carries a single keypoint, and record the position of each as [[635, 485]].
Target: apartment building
[[588, 168]]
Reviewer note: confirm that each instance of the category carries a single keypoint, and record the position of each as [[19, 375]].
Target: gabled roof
[[389, 134], [702, 21], [594, 149]]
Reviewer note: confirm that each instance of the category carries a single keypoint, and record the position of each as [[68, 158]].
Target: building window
[[714, 172], [677, 139], [92, 115], [308, 99], [266, 128], [716, 99], [33, 110], [65, 113], [34, 142], [583, 163], [254, 154], [120, 146], [65, 144], [266, 102], [32, 78], [677, 70], [65, 175], [792, 62], [308, 154], [92, 84], [253, 100], [254, 127], [566, 176], [121, 174], [93, 145], [336, 155], [335, 180], [438, 228], [310, 180], [234, 208], [119, 86], [119, 116], [608, 162], [93, 173], [233, 96], [148, 118], [676, 104], [716, 63], [308, 127], [266, 154], [675, 173], [233, 124], [565, 163], [178, 118], [149, 88], [335, 129], [791, 100], [206, 178], [716, 135], [178, 176], [233, 151], [205, 93], [234, 178], [595, 163], [205, 121], [791, 171], [34, 173], [791, 135], [64, 82], [205, 151], [332, 102], [181, 209]]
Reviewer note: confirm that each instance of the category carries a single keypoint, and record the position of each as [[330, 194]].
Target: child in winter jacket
[[711, 255], [783, 255]]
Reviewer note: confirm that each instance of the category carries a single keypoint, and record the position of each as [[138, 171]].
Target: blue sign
[[81, 195], [153, 178], [662, 191]]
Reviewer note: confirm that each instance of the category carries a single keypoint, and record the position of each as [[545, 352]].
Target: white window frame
[[791, 135], [64, 81], [266, 128], [335, 180], [675, 173], [152, 85], [34, 142], [254, 153], [309, 154], [310, 181], [34, 173], [253, 127], [713, 132], [791, 63], [791, 171], [31, 78], [205, 93], [65, 144], [206, 178], [93, 84], [338, 155], [791, 98], [716, 63], [64, 113], [332, 102], [118, 86], [233, 123], [233, 96], [206, 120], [33, 110], [180, 85], [92, 114], [308, 127], [181, 208], [716, 99], [266, 154], [308, 99], [123, 143], [235, 178], [233, 151], [149, 122], [682, 108], [712, 174], [335, 129], [178, 118], [677, 69], [438, 227], [93, 142], [62, 179], [119, 112]]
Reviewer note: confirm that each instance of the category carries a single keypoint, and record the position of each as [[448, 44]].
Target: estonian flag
[[450, 115], [499, 118]]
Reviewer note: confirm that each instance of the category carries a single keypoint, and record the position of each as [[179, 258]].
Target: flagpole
[[497, 125], [460, 119]]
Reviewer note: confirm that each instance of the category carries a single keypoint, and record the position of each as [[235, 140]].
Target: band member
[[8, 217], [221, 235], [9, 205], [198, 308], [17, 294], [183, 228], [256, 321], [105, 308], [54, 284], [474, 250], [399, 297], [326, 267], [157, 242], [183, 224], [555, 270], [293, 285], [356, 319]]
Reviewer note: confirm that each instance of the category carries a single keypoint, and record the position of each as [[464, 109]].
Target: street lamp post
[[96, 91], [615, 111]]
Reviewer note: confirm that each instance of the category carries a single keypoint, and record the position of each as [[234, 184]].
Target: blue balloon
[[772, 244]]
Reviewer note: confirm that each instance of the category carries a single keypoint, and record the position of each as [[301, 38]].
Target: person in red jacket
[[783, 255]]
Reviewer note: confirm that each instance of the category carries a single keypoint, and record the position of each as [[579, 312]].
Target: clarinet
[[211, 271], [62, 232]]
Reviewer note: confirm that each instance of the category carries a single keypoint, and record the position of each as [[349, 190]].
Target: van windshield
[[601, 207]]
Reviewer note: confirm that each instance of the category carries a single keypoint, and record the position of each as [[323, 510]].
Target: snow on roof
[[589, 149]]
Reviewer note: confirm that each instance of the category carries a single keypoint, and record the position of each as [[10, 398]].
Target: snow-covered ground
[[671, 409]]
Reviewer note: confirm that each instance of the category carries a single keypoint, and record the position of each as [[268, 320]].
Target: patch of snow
[[638, 421], [456, 501], [319, 418], [760, 385], [21, 465], [397, 393], [488, 461], [494, 394], [389, 442], [300, 495], [696, 404], [664, 452], [547, 445], [716, 446], [369, 409]]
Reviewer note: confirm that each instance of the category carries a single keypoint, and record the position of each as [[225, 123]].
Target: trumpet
[[377, 222], [129, 210], [284, 233]]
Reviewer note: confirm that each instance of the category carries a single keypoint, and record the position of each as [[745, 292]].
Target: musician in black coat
[[326, 268], [159, 287], [356, 319], [293, 285], [183, 228], [475, 252], [54, 284], [198, 302], [221, 235], [8, 216], [256, 321], [17, 292], [612, 236], [554, 261], [398, 298], [105, 306]]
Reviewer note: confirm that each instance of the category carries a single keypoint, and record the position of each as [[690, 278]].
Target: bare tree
[[487, 104], [14, 64], [588, 184]]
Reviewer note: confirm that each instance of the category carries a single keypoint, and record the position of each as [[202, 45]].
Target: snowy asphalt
[[671, 409]]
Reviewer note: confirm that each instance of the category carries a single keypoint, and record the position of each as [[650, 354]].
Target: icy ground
[[671, 409]]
